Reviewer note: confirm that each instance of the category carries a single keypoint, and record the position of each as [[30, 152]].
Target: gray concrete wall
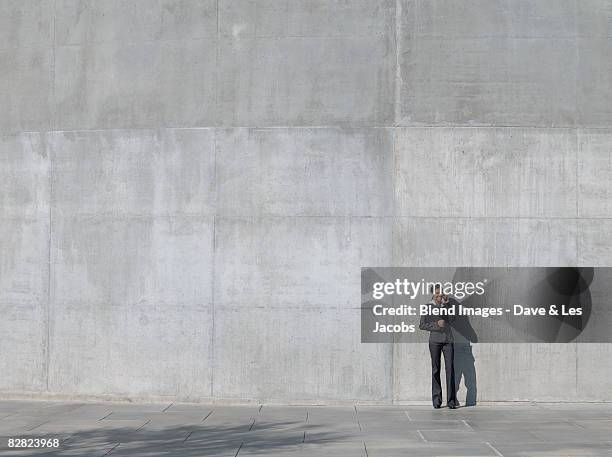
[[189, 188]]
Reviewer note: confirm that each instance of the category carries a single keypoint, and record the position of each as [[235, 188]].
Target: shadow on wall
[[464, 335]]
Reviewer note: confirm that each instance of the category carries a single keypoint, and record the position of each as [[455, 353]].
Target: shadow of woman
[[464, 335]]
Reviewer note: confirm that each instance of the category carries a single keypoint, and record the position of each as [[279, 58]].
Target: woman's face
[[437, 297]]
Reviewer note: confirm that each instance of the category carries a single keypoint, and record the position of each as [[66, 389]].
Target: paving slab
[[190, 430]]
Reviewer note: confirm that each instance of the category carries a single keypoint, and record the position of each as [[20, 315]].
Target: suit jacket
[[438, 334]]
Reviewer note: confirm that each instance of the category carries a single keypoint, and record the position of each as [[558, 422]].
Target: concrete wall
[[189, 188]]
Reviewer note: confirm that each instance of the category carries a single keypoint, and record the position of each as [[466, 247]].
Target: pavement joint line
[[541, 438], [422, 437], [187, 436], [467, 425], [111, 450], [573, 423], [8, 415], [252, 425], [357, 418], [143, 425], [207, 416], [167, 407], [36, 426], [102, 418], [499, 454], [239, 447], [446, 429]]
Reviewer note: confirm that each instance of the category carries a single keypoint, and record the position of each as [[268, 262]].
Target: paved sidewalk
[[186, 430]]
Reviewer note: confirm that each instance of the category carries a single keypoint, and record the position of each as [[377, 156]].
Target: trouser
[[436, 389]]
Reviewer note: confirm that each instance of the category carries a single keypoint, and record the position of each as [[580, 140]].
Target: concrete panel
[[411, 373], [537, 372], [24, 261], [595, 173], [594, 247], [290, 288], [142, 84], [128, 21], [493, 18], [24, 176], [186, 19], [305, 172], [594, 28], [593, 382], [91, 21], [26, 64], [24, 273], [594, 18], [281, 63], [291, 354], [469, 63], [484, 242], [131, 349], [296, 262], [25, 23], [494, 372], [135, 173], [129, 261], [485, 172], [131, 306], [594, 92], [313, 18], [26, 89]]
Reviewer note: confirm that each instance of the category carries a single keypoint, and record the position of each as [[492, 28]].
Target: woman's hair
[[434, 287]]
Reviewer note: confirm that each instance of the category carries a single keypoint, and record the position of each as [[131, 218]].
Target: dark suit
[[441, 341]]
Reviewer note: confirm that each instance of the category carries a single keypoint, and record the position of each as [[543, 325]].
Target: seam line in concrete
[[123, 217], [217, 44], [321, 127], [110, 451], [392, 242], [49, 265], [211, 357], [499, 454], [576, 41], [239, 447], [398, 74], [53, 120], [50, 184]]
